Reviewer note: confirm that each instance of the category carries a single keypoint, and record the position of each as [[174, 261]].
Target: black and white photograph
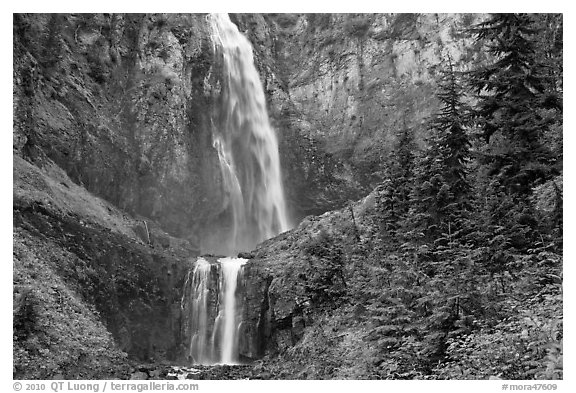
[[287, 196]]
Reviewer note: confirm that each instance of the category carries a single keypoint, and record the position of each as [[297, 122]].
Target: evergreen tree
[[549, 50], [441, 193], [394, 195], [437, 219], [512, 96]]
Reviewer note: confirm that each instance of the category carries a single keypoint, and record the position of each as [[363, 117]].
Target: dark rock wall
[[283, 296], [122, 103]]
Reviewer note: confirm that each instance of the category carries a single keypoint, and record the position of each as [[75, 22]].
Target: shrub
[[325, 279]]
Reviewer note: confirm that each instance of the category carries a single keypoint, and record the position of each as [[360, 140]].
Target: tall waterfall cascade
[[247, 150], [247, 147]]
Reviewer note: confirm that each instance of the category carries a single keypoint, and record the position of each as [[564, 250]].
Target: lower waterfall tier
[[212, 306]]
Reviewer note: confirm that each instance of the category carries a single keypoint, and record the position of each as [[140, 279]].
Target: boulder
[[139, 375]]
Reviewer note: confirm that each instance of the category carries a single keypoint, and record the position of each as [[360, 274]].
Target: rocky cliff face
[[293, 280], [341, 85], [122, 104]]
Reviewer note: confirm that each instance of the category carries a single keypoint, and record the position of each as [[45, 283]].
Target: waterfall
[[254, 203], [199, 349], [229, 314], [247, 148], [214, 315]]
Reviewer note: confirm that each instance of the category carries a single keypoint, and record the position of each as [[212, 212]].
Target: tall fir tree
[[438, 219], [512, 100], [441, 193], [394, 195]]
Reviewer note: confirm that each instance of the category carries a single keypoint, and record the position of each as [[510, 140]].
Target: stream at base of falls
[[196, 372]]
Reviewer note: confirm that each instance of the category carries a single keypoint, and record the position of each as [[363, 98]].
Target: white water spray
[[200, 350], [247, 147], [230, 267]]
